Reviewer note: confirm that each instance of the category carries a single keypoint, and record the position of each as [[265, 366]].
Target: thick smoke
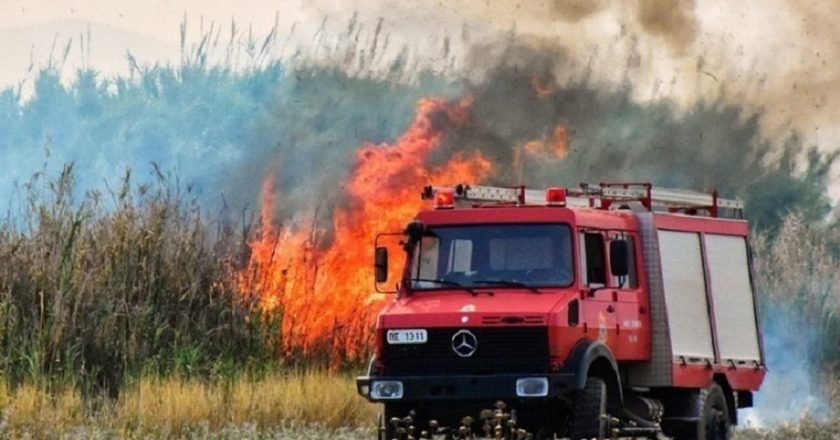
[[672, 21], [793, 388], [779, 58], [613, 137]]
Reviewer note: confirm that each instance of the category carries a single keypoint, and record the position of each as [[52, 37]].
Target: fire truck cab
[[608, 310]]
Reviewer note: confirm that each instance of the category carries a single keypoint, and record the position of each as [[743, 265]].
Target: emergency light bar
[[555, 196], [444, 198], [602, 196]]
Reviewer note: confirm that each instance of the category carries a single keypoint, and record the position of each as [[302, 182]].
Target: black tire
[[714, 420], [589, 411]]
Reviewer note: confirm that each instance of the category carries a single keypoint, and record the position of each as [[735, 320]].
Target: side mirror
[[415, 231], [618, 258], [381, 264]]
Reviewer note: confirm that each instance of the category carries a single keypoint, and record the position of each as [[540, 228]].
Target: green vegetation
[[223, 117], [118, 283]]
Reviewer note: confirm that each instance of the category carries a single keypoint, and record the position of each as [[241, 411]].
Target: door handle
[[610, 308]]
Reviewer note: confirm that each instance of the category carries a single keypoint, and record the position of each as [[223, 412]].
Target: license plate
[[407, 336]]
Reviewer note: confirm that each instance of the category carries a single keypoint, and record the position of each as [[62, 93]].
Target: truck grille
[[519, 350]]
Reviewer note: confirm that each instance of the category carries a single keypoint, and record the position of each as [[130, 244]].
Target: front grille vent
[[499, 350], [513, 319]]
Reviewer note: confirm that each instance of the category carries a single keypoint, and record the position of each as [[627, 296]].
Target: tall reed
[[102, 285]]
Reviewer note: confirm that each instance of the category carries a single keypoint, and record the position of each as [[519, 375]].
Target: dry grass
[[297, 405], [799, 301], [178, 408], [797, 268], [805, 429]]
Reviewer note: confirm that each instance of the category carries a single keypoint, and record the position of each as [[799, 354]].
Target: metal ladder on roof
[[601, 196]]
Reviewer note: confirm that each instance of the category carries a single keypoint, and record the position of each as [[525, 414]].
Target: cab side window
[[592, 259]]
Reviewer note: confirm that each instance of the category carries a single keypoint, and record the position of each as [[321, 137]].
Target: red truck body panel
[[618, 318]]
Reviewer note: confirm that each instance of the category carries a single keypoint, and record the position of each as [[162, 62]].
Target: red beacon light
[[555, 196], [444, 199]]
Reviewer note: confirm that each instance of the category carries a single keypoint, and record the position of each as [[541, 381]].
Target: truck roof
[[620, 219]]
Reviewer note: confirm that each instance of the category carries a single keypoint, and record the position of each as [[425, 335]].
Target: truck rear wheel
[[714, 420], [712, 417], [589, 411]]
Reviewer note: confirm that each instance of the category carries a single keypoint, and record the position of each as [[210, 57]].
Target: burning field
[[203, 231], [320, 279]]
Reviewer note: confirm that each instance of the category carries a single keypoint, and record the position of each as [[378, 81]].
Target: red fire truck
[[599, 311]]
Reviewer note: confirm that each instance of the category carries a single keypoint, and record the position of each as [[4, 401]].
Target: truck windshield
[[508, 256]]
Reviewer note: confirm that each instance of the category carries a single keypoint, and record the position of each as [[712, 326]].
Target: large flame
[[324, 291]]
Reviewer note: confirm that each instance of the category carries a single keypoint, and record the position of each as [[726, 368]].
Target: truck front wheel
[[589, 411]]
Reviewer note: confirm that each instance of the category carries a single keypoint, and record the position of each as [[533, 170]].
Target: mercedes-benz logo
[[464, 343]]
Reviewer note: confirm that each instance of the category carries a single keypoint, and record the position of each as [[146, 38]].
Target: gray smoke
[[614, 137], [792, 389]]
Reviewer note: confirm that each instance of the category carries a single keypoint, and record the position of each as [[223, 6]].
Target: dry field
[[300, 405], [307, 404]]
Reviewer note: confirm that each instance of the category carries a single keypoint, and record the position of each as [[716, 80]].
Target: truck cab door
[[633, 322], [599, 304]]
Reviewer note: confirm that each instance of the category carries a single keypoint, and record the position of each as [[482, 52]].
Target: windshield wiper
[[508, 283], [446, 283]]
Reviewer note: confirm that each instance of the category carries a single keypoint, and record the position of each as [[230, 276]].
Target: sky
[[155, 19], [150, 29]]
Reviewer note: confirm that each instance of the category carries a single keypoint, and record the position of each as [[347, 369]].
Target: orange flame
[[324, 291], [555, 147]]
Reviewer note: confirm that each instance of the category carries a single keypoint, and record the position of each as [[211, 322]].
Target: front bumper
[[466, 387]]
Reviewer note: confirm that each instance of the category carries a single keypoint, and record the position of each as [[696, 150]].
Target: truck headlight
[[386, 390], [532, 387]]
